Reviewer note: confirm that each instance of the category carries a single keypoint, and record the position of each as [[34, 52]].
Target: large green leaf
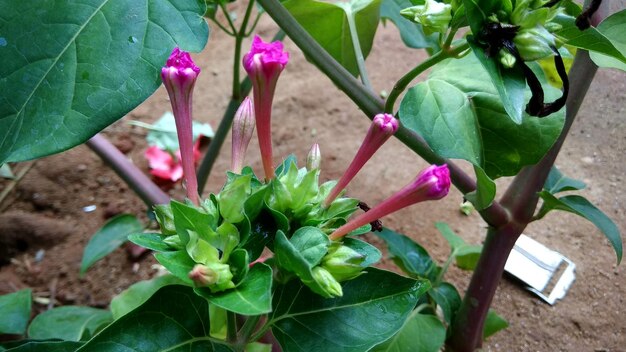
[[593, 39], [173, 319], [373, 307], [112, 235], [328, 24], [71, 68], [582, 207], [251, 297], [410, 32], [448, 299], [459, 113], [15, 312], [420, 333], [70, 323], [613, 28], [557, 182], [410, 256], [485, 191], [46, 346], [138, 293], [509, 82]]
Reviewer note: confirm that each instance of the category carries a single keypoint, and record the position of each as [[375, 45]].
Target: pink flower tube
[[431, 184], [243, 128], [264, 63], [383, 126], [179, 77]]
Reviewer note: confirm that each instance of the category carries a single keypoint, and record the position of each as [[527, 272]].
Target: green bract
[[212, 245]]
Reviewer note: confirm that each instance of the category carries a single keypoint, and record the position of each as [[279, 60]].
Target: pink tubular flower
[[264, 63], [383, 126], [179, 77], [431, 184], [243, 127]]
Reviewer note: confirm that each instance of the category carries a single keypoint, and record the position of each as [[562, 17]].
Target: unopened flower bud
[[534, 44], [243, 128], [264, 63], [382, 128], [314, 158], [330, 287], [343, 262], [431, 184], [216, 276], [506, 58], [179, 77], [433, 16]]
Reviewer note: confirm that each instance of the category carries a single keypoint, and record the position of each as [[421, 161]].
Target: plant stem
[[228, 18], [521, 200], [231, 327], [150, 193], [358, 53], [248, 328], [403, 82]]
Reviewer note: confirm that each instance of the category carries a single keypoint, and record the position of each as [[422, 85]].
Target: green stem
[[248, 328], [221, 26], [227, 14], [358, 53], [231, 332], [256, 21], [450, 38], [444, 268], [404, 82]]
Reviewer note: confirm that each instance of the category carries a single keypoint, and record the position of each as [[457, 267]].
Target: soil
[[47, 207]]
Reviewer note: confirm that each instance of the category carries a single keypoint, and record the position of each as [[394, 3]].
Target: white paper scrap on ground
[[546, 273]]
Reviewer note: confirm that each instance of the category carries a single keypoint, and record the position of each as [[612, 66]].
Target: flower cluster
[[214, 243]]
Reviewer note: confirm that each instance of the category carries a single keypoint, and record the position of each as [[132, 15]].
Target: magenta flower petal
[[264, 63], [383, 126], [431, 184], [179, 77]]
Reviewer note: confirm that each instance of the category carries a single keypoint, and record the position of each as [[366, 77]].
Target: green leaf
[[232, 198], [447, 297], [112, 235], [477, 12], [485, 191], [328, 24], [410, 256], [593, 39], [304, 321], [163, 133], [152, 241], [174, 318], [459, 113], [420, 332], [138, 293], [15, 312], [46, 346], [466, 255], [509, 82], [613, 28], [258, 347], [557, 182], [371, 253], [189, 218], [410, 32], [311, 243], [251, 297], [72, 68], [178, 263], [582, 207], [493, 324], [70, 323]]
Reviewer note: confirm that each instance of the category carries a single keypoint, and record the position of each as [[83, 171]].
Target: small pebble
[[89, 208]]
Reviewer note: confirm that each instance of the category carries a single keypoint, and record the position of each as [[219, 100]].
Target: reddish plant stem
[[520, 200], [150, 193]]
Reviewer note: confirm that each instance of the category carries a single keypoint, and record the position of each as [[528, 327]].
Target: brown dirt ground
[[47, 204]]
